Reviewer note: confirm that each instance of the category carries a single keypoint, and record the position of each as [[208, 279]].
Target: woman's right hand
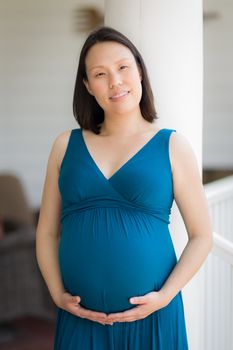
[[71, 304]]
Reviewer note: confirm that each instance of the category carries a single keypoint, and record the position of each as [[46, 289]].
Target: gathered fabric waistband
[[162, 214]]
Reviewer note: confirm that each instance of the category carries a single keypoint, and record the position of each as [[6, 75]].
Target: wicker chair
[[22, 289]]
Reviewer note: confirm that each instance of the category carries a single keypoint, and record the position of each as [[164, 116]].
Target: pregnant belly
[[106, 270]]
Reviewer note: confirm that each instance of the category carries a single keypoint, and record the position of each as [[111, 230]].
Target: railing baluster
[[231, 314], [219, 268]]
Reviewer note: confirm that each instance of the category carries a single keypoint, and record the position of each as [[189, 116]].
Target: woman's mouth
[[119, 96]]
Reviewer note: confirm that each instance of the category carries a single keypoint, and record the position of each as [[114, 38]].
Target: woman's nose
[[114, 80]]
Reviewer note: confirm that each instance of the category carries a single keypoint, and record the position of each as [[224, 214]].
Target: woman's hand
[[146, 305], [71, 304]]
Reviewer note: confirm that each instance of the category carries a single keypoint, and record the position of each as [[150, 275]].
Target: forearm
[[189, 263], [47, 257]]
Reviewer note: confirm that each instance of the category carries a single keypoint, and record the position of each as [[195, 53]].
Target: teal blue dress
[[115, 244]]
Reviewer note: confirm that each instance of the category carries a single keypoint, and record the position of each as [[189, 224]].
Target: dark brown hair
[[86, 110]]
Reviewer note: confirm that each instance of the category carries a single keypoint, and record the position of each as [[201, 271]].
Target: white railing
[[223, 248], [218, 330], [220, 199]]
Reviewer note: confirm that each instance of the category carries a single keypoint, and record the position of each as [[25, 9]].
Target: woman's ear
[[85, 82]]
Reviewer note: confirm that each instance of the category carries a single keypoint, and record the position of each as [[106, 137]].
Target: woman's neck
[[123, 124]]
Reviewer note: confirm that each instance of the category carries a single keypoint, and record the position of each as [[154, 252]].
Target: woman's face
[[113, 77]]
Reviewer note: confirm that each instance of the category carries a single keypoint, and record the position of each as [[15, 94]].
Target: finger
[[138, 300], [94, 319], [76, 299], [91, 315], [134, 313], [94, 314], [81, 313], [116, 317]]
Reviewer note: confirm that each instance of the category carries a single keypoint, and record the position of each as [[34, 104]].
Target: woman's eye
[[99, 74], [123, 67]]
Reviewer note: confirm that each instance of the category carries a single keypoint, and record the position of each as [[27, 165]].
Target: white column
[[169, 36]]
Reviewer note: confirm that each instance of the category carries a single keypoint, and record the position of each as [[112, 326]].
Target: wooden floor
[[30, 334]]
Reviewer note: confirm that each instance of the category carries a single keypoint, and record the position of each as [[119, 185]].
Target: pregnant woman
[[103, 241]]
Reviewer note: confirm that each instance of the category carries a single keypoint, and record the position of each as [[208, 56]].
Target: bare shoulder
[[59, 147], [180, 143], [62, 139], [182, 154]]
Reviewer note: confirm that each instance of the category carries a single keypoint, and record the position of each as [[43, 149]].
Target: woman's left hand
[[146, 305]]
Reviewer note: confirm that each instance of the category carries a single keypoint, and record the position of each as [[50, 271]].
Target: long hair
[[87, 111]]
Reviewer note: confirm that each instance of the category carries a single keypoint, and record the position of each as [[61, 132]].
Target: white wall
[[218, 86], [39, 56], [39, 50]]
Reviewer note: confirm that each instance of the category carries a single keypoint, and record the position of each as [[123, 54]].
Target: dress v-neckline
[[124, 164]]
